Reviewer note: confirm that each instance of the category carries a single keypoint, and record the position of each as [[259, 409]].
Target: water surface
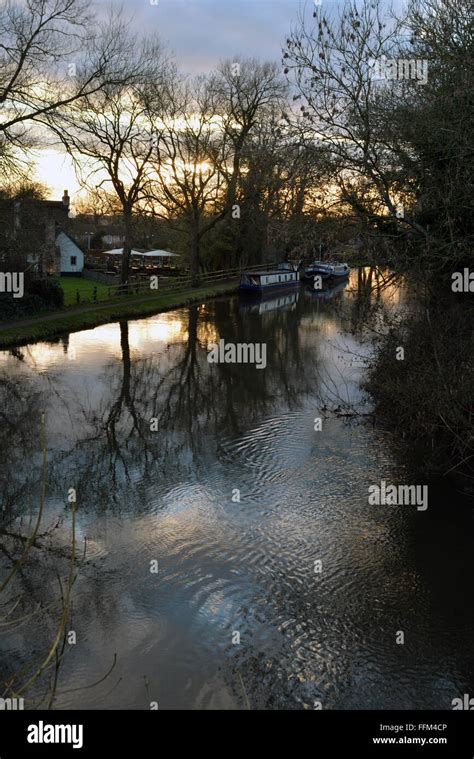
[[235, 615]]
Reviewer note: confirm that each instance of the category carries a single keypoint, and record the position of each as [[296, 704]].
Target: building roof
[[158, 254], [144, 254], [119, 252], [62, 231]]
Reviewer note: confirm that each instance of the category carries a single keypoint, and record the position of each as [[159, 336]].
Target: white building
[[70, 254]]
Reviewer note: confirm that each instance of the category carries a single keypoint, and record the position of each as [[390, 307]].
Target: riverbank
[[426, 398], [52, 324]]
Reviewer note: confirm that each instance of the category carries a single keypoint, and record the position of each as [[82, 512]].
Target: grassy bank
[[72, 285], [87, 317]]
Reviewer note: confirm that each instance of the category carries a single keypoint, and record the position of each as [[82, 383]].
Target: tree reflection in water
[[101, 443]]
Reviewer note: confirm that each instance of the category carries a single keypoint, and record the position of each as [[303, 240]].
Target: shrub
[[428, 398], [48, 290], [40, 294]]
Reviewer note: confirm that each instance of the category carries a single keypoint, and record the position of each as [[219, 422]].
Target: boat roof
[[264, 273], [328, 263]]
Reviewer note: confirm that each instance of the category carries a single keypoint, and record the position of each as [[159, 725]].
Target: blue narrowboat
[[263, 281]]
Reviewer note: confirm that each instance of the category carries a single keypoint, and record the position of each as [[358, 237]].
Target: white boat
[[326, 270], [339, 270]]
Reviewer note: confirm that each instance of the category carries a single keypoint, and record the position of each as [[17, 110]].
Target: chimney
[[66, 198]]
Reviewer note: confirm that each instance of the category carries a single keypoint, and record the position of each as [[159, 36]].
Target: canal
[[228, 555]]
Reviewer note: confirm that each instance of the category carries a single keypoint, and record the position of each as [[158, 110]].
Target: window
[[73, 260]]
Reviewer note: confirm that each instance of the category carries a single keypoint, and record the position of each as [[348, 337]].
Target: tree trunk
[[127, 249], [195, 259]]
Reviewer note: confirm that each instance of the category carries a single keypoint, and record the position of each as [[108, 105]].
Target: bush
[[428, 398], [48, 290], [40, 294]]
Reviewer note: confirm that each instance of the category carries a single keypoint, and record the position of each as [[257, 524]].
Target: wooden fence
[[176, 284]]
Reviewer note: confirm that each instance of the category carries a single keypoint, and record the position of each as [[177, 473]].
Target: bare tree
[[53, 53], [201, 145], [192, 151], [110, 137], [280, 190], [331, 64], [245, 91]]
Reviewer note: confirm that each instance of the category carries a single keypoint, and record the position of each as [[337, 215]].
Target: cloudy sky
[[199, 33]]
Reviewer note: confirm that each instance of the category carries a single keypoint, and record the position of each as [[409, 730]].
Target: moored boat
[[262, 281], [288, 266], [339, 271], [326, 270], [317, 269]]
